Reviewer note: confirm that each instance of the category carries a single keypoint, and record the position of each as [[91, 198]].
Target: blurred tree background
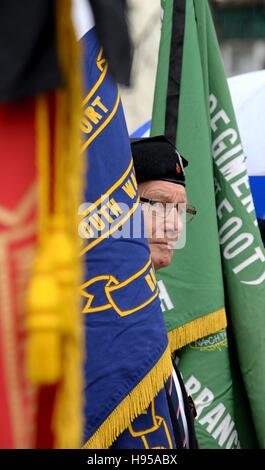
[[240, 26]]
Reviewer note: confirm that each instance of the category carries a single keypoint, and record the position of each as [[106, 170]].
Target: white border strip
[[83, 18]]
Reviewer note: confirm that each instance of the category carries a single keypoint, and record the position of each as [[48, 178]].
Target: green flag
[[212, 378], [193, 107], [184, 112]]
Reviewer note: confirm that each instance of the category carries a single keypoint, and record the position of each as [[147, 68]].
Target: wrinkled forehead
[[163, 191]]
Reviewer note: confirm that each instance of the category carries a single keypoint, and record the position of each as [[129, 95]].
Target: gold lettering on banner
[[114, 207], [101, 61], [102, 65], [109, 211], [130, 187], [151, 280], [109, 192], [92, 115], [87, 127]]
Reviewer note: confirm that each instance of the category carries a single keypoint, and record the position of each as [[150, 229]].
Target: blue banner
[[126, 339]]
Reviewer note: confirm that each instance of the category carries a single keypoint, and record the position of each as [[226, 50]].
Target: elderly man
[[160, 176], [161, 181]]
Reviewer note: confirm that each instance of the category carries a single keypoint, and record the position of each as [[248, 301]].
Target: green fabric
[[217, 185], [194, 294], [211, 377]]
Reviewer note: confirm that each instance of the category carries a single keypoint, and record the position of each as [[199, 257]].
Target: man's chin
[[161, 255], [161, 263]]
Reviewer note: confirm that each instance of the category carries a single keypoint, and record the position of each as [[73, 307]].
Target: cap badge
[[178, 169]]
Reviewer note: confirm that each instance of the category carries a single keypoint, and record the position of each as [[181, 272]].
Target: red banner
[[17, 245]]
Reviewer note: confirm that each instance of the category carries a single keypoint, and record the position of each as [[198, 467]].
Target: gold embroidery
[[19, 228]]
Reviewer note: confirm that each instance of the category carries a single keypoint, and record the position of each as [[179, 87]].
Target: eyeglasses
[[164, 209]]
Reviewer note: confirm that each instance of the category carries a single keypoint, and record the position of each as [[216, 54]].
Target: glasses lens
[[159, 209], [164, 209], [186, 212]]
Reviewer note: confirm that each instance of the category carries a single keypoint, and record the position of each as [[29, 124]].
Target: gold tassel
[[203, 326], [44, 327], [69, 170], [43, 298], [63, 255], [67, 420], [55, 341]]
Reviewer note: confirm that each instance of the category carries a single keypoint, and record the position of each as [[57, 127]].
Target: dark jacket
[[28, 56]]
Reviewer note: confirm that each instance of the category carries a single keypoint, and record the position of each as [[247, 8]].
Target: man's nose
[[178, 221], [174, 223]]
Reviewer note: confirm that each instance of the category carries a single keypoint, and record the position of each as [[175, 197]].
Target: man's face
[[163, 230]]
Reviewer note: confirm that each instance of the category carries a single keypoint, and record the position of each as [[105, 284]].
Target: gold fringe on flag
[[133, 405], [55, 342], [196, 329]]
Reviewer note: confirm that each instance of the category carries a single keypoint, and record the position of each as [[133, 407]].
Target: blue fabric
[[257, 185], [150, 430], [124, 325]]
